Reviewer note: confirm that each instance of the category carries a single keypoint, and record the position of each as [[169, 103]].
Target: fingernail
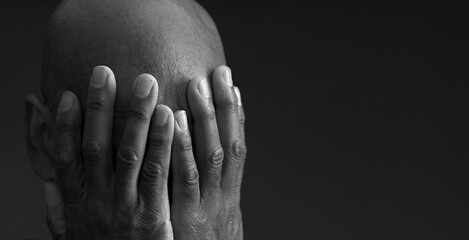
[[227, 77], [99, 77], [181, 120], [144, 86], [66, 102], [202, 86], [238, 95], [161, 115]]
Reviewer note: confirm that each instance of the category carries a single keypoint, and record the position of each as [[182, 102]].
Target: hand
[[207, 171], [130, 201]]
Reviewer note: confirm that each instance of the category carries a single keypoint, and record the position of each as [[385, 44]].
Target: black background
[[357, 117]]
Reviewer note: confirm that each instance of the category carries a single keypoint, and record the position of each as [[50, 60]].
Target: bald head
[[173, 40]]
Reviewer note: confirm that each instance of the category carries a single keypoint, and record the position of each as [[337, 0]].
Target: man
[[113, 174]]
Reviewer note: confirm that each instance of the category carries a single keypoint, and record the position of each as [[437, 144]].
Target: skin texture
[[206, 176], [130, 201], [174, 41], [208, 167]]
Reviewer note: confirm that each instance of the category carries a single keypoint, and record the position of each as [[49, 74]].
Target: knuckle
[[186, 144], [230, 103], [154, 170], [63, 125], [210, 114], [215, 159], [239, 150], [92, 150], [96, 102], [139, 113], [159, 140], [127, 155], [190, 178]]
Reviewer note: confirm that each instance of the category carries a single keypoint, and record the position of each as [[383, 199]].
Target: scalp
[[172, 40]]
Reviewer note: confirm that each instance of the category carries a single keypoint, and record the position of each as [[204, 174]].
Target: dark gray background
[[357, 117]]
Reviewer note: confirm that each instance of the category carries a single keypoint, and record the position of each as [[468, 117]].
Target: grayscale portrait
[[231, 120]]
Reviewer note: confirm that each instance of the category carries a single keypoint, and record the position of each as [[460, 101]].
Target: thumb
[[55, 210]]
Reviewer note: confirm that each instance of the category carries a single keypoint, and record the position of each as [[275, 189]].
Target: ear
[[40, 137]]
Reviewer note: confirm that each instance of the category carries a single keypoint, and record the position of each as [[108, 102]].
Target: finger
[[208, 150], [68, 161], [242, 121], [226, 104], [55, 210], [154, 178], [132, 146], [186, 191], [242, 117], [97, 135]]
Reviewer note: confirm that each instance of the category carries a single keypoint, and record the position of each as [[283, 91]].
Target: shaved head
[[173, 40]]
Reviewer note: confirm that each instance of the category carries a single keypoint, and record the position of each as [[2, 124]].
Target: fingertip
[[195, 87], [223, 89], [200, 100], [197, 79], [181, 121], [102, 68], [99, 77], [164, 115], [238, 95], [220, 71], [69, 109], [111, 80], [223, 73], [66, 101], [145, 85], [148, 78], [105, 71], [165, 120]]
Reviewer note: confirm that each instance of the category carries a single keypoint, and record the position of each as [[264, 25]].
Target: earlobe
[[39, 124]]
